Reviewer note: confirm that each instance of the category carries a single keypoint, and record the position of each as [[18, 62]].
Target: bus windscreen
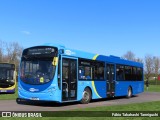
[[6, 75], [37, 65]]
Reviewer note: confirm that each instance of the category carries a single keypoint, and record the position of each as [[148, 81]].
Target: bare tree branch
[[129, 56], [148, 66], [14, 51], [156, 67], [1, 50]]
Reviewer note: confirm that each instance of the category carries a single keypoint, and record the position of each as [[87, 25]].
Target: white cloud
[[26, 32]]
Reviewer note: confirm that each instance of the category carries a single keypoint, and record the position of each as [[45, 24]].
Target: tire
[[18, 100], [86, 97], [129, 93]]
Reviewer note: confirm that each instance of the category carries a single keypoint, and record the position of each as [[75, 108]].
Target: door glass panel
[[65, 70], [112, 72], [69, 79], [108, 72], [73, 79], [73, 71]]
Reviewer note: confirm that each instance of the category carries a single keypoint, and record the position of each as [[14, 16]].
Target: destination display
[[40, 51], [5, 65]]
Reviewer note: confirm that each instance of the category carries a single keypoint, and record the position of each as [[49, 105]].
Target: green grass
[[152, 88], [9, 96], [154, 82]]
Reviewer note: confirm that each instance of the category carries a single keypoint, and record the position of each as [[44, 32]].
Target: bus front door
[[69, 79], [110, 80]]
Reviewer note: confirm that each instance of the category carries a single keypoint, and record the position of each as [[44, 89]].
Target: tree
[[1, 50], [1, 55], [148, 66], [139, 60], [129, 56], [14, 51], [156, 67]]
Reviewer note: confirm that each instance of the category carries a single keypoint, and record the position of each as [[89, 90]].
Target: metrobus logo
[[33, 90], [69, 52]]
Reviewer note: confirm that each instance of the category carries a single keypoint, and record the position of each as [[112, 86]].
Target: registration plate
[[34, 98], [3, 90]]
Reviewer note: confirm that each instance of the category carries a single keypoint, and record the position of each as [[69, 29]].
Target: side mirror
[[55, 61]]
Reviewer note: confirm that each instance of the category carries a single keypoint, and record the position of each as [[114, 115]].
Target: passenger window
[[139, 74], [134, 73], [120, 72], [91, 69], [128, 73], [98, 71], [85, 70]]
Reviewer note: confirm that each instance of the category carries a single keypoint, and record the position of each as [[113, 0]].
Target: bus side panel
[[122, 87], [137, 87], [98, 88]]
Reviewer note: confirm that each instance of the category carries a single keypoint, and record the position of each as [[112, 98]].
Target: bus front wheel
[[129, 94], [86, 97]]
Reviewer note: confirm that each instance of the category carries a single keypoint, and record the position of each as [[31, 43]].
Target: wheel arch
[[129, 94], [131, 88]]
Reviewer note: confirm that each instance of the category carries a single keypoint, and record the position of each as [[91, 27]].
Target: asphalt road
[[11, 105]]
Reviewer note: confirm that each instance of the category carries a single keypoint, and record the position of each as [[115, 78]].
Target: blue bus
[[7, 78], [56, 73]]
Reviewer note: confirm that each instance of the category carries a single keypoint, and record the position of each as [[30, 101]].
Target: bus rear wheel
[[86, 97], [129, 94]]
